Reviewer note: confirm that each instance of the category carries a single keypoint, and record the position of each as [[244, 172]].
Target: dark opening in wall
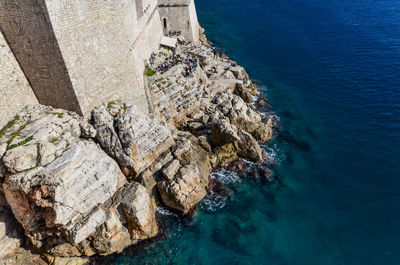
[[165, 23]]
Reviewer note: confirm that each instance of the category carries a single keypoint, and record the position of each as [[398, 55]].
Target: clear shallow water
[[331, 69]]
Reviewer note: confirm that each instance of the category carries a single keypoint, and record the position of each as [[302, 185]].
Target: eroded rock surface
[[68, 202], [186, 177], [37, 136], [63, 197], [81, 187], [10, 238], [134, 139]]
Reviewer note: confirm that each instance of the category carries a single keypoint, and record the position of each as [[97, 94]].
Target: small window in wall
[[165, 23]]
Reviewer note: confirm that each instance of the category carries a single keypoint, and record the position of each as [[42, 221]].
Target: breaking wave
[[213, 202], [226, 177]]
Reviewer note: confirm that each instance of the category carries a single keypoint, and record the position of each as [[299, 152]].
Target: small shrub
[[149, 72], [124, 108], [110, 104]]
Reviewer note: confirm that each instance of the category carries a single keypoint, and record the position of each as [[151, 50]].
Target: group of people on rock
[[191, 65], [168, 64]]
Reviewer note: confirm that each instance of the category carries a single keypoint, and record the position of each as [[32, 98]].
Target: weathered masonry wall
[[76, 54], [180, 15], [15, 91], [27, 29], [80, 53], [147, 42], [99, 41]]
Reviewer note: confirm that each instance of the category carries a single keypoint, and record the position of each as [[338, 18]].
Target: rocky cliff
[[80, 187]]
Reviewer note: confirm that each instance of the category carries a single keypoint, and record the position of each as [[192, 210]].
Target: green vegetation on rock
[[110, 104], [16, 133], [9, 125], [149, 72], [30, 138]]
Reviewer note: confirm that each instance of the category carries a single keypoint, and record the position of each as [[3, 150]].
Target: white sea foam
[[273, 154], [164, 211], [226, 177], [213, 202]]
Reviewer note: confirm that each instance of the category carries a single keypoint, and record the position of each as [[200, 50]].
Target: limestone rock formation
[[186, 177], [9, 236], [134, 139], [185, 190], [64, 195], [83, 187], [73, 199], [139, 209], [36, 136]]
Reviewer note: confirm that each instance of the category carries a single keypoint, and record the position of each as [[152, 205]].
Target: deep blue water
[[331, 69]]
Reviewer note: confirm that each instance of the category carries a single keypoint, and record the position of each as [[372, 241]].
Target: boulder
[[139, 208], [242, 92], [223, 132], [59, 202], [185, 190], [260, 131], [248, 148], [111, 236], [239, 73], [234, 108], [224, 154], [182, 150]]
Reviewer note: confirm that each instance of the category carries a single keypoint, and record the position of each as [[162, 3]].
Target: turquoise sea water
[[331, 69]]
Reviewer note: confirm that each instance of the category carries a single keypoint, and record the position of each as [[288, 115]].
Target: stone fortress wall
[[77, 54], [15, 91], [180, 15]]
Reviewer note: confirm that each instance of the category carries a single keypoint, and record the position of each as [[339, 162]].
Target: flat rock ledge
[[72, 187]]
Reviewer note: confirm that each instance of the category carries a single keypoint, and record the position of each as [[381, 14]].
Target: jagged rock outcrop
[[186, 177], [71, 198], [64, 196], [131, 217], [175, 96], [83, 187], [134, 139], [139, 209]]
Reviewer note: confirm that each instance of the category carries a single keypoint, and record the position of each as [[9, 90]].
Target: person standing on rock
[[214, 52]]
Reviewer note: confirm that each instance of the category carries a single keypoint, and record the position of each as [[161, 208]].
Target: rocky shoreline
[[87, 187]]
